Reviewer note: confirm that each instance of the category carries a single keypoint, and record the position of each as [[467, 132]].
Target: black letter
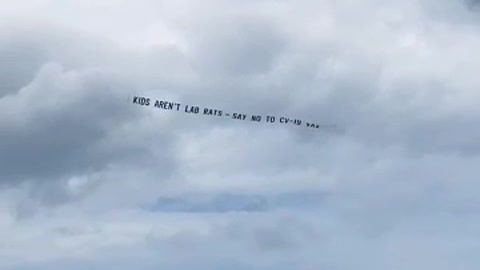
[[256, 118]]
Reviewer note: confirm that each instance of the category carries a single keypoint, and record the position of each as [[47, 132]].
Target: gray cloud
[[66, 115], [249, 48], [19, 63], [66, 130]]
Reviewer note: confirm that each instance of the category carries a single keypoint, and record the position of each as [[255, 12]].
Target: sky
[[89, 180]]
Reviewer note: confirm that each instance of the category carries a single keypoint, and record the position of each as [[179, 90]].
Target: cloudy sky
[[88, 180]]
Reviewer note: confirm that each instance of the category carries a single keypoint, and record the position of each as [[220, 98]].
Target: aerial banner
[[207, 111]]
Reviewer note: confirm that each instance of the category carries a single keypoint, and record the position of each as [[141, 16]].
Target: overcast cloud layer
[[90, 181]]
